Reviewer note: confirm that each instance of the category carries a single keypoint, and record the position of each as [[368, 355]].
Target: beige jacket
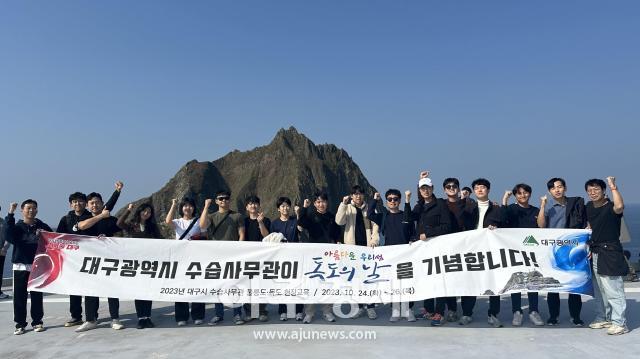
[[346, 216]]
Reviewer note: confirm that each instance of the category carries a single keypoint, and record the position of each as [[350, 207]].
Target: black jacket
[[69, 223], [322, 227], [494, 216], [576, 213], [378, 214], [24, 238], [432, 219]]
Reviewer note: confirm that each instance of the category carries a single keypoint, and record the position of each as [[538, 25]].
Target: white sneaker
[[601, 324], [494, 322], [465, 320], [395, 315], [359, 313], [617, 330], [38, 328], [86, 326], [283, 317], [517, 319], [182, 323], [215, 320], [4, 296], [536, 319], [237, 319], [116, 325], [329, 317], [198, 322], [307, 319], [410, 316], [371, 313], [299, 317], [19, 331]]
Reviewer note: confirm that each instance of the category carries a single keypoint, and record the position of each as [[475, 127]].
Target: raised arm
[[341, 214], [88, 223], [542, 221], [204, 220], [172, 212], [111, 203], [122, 221], [505, 198], [618, 203]]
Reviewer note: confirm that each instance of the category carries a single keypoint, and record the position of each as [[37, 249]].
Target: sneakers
[[141, 324], [517, 319], [263, 318], [4, 296], [536, 319], [395, 315], [577, 322], [371, 313], [494, 322], [283, 317], [237, 319], [38, 328], [426, 315], [198, 322], [552, 322], [452, 316], [617, 330], [600, 324], [19, 331], [299, 317], [360, 312], [182, 323], [410, 316], [215, 320], [436, 320], [149, 323], [307, 319], [116, 325], [73, 322], [329, 317], [465, 320], [88, 325]]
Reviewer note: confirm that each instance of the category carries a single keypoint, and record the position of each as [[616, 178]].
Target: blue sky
[[91, 92]]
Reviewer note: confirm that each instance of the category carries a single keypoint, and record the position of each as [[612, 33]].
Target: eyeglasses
[[451, 186], [223, 199], [393, 199]]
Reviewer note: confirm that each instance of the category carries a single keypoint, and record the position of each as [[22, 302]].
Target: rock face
[[291, 165], [532, 281]]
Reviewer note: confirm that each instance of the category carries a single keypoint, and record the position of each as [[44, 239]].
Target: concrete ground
[[391, 340]]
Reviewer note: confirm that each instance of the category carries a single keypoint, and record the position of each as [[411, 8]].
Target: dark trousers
[[262, 309], [468, 303], [219, 310], [516, 302], [182, 311], [143, 308], [282, 308], [20, 295], [91, 305], [75, 306], [452, 304], [575, 305], [2, 258], [435, 305]]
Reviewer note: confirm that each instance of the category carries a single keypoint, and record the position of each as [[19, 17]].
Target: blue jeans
[[219, 310], [611, 302]]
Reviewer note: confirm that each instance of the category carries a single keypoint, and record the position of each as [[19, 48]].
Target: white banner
[[472, 263]]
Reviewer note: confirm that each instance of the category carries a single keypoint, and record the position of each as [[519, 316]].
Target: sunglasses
[[451, 186], [222, 199], [393, 199]]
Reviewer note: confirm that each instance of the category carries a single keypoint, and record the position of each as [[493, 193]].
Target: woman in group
[[186, 228], [143, 225]]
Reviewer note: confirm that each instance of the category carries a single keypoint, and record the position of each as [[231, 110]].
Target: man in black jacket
[[24, 237], [432, 219], [482, 214], [564, 212]]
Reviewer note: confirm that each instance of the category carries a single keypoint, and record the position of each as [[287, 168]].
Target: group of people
[[356, 222]]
